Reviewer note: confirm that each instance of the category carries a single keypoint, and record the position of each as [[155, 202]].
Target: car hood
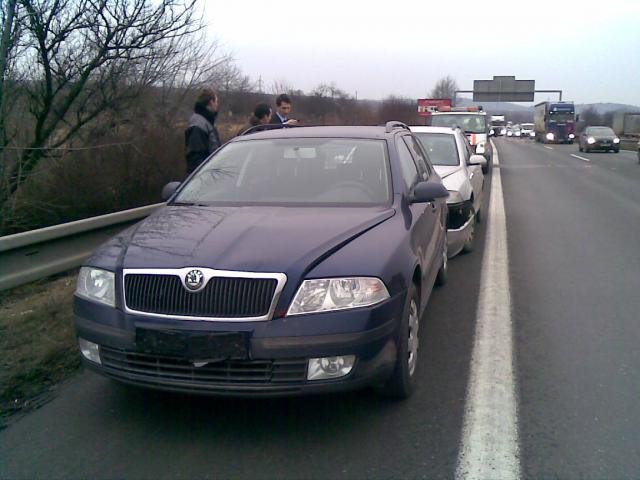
[[445, 170], [602, 137], [255, 239]]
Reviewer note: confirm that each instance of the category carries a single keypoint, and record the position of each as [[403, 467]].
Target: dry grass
[[37, 342]]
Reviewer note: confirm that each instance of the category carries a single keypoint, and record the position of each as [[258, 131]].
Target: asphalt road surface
[[572, 267]]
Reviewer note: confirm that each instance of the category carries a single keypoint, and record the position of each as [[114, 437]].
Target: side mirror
[[478, 160], [169, 189], [428, 191]]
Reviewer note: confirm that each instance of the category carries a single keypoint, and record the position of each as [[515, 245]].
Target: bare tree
[[445, 88], [82, 59]]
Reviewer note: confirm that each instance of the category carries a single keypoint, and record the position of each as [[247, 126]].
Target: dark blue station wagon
[[292, 261]]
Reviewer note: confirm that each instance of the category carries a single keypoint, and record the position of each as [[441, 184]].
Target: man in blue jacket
[[201, 136]]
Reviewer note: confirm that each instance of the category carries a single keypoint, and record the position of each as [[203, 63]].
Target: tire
[[442, 276], [468, 244], [402, 381], [585, 150], [617, 150], [580, 149]]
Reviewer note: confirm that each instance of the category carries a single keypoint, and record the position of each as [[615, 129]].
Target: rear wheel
[[402, 381]]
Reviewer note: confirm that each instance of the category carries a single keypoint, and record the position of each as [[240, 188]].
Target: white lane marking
[[489, 448], [581, 158], [548, 147]]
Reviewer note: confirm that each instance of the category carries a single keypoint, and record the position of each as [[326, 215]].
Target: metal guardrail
[[29, 256]]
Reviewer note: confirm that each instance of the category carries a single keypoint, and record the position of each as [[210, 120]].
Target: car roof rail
[[389, 126]]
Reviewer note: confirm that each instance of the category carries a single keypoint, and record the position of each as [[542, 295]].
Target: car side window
[[419, 156], [407, 165], [467, 150]]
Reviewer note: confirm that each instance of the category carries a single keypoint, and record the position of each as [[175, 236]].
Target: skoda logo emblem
[[193, 280]]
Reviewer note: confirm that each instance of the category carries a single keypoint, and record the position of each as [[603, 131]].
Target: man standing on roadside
[[283, 109], [201, 136]]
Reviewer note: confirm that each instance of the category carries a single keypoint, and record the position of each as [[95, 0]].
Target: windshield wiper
[[188, 204]]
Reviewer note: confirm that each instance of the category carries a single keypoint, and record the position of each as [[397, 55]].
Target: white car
[[461, 173]]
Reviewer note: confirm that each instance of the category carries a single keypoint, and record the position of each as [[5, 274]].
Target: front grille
[[227, 372], [222, 297]]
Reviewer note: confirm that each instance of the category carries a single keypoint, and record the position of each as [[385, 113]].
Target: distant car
[[292, 261], [461, 172], [515, 131], [526, 130], [598, 138], [638, 147]]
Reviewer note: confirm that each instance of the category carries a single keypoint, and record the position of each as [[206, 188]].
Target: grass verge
[[37, 343]]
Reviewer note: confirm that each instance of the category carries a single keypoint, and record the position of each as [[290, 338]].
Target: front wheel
[[468, 244], [402, 381]]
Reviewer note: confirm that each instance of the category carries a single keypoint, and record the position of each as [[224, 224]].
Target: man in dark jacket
[[261, 116], [283, 109], [201, 136]]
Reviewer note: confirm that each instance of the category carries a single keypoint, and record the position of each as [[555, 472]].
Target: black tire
[[580, 149], [443, 273], [402, 381], [468, 244], [586, 150], [617, 150]]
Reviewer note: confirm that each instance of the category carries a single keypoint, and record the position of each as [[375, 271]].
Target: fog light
[[550, 136], [90, 350], [330, 367]]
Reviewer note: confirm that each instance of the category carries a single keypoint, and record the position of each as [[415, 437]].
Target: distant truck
[[498, 125], [626, 124], [554, 122]]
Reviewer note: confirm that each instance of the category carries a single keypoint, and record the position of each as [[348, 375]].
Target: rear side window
[[407, 165]]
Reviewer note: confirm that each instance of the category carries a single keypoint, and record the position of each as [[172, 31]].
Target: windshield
[[441, 148], [470, 123], [327, 171], [561, 116], [600, 131]]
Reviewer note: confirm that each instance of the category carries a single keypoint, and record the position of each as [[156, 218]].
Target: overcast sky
[[590, 50]]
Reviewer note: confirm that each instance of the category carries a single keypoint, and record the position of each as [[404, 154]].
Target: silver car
[[461, 173]]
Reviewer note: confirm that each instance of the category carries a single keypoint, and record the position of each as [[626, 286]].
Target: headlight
[[509, 133], [491, 132], [532, 134], [503, 131], [550, 136], [329, 294], [97, 285], [616, 140], [454, 197], [571, 135], [591, 140], [517, 134]]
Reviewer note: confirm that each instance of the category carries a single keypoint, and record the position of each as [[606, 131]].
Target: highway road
[[529, 364]]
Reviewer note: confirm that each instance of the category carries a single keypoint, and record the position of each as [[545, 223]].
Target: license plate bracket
[[192, 345]]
